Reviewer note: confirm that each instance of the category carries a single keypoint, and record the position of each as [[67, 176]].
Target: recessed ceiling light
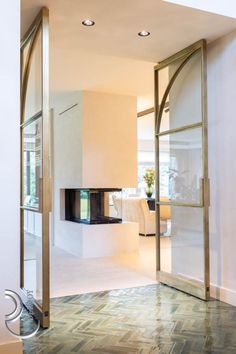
[[88, 22], [144, 33]]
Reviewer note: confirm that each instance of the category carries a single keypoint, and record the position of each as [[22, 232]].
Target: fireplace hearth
[[91, 205]]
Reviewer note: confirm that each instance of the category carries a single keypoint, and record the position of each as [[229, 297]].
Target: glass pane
[[163, 81], [84, 205], [33, 102], [24, 55], [182, 250], [146, 152], [180, 166], [33, 254], [164, 77], [183, 105], [32, 162]]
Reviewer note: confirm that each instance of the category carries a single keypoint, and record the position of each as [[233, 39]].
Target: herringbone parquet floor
[[150, 319]]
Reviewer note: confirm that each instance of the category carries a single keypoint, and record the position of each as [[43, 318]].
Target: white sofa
[[136, 209]]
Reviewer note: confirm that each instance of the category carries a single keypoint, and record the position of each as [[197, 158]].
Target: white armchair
[[135, 209]]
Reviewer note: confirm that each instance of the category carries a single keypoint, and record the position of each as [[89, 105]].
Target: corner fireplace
[[92, 205]]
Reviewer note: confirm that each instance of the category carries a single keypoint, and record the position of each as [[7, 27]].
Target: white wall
[[95, 145], [9, 168], [67, 140], [109, 140], [222, 164]]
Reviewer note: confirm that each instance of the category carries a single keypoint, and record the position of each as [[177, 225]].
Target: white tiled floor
[[71, 275]]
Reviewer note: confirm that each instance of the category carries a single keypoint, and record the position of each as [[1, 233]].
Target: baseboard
[[220, 293], [223, 294], [11, 347]]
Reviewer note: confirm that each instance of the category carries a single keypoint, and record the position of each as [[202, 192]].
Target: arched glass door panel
[[182, 197], [35, 168], [33, 90], [177, 77], [24, 56]]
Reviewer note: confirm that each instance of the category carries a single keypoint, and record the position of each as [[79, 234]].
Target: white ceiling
[[226, 7], [73, 70], [110, 56], [172, 27]]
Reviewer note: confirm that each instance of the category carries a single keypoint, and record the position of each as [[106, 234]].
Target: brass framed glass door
[[182, 193], [35, 168]]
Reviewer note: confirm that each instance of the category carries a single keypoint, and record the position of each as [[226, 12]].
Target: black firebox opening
[[91, 205]]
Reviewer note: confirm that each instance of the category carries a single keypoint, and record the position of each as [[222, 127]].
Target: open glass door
[[35, 168], [182, 193]]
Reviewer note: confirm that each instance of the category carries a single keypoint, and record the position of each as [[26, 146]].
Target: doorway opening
[[102, 138]]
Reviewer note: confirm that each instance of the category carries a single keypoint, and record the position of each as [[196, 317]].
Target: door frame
[[190, 286], [41, 23]]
